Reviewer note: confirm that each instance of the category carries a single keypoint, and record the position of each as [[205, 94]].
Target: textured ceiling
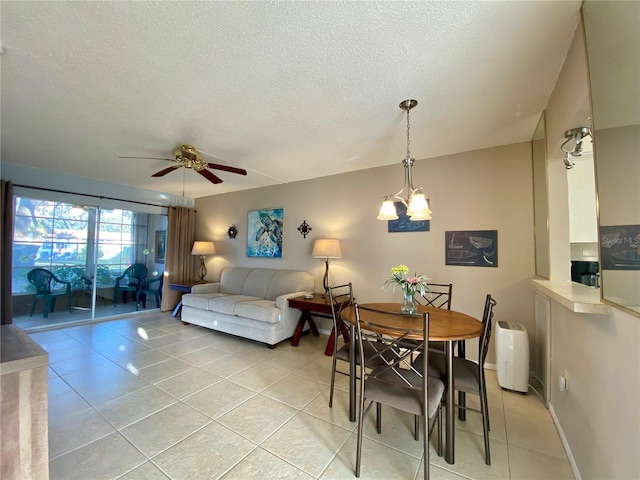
[[287, 90]]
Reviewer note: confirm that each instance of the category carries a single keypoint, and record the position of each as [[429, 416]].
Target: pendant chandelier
[[415, 201]]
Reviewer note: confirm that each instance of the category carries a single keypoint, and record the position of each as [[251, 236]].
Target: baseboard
[[565, 443], [490, 366]]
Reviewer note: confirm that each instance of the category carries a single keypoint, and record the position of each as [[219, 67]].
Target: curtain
[[178, 261], [6, 249]]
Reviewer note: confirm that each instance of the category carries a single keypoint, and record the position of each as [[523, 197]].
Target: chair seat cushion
[[369, 352], [261, 310], [466, 372], [227, 303], [390, 390], [199, 300]]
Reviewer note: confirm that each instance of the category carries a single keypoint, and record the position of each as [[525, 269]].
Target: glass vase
[[409, 303]]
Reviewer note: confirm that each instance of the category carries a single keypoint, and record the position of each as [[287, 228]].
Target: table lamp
[[326, 248], [202, 249]]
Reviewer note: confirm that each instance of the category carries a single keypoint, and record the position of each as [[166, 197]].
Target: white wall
[[599, 414], [485, 190], [581, 180]]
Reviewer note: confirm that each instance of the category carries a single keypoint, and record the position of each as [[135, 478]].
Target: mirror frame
[[539, 165], [612, 38]]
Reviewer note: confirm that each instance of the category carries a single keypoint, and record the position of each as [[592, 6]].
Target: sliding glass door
[[69, 261]]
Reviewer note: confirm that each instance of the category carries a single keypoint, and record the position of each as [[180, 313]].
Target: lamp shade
[[327, 248], [203, 248]]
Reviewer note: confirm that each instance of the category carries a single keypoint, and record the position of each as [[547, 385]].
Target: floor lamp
[[326, 248], [202, 249]]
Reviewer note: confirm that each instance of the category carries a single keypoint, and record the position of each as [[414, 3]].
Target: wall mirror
[[540, 198], [612, 32]]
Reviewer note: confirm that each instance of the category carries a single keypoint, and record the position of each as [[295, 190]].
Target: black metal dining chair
[[439, 296], [468, 375], [397, 381], [341, 297]]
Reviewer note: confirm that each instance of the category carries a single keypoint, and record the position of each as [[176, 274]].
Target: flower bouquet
[[409, 285]]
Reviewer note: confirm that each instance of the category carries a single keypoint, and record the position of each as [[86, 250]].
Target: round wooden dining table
[[445, 325]]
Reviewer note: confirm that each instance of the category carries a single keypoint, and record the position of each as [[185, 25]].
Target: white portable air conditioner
[[512, 356]]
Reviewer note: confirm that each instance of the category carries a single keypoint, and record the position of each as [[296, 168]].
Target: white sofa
[[249, 302]]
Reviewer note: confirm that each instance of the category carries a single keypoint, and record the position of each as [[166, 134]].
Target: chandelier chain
[[408, 137]]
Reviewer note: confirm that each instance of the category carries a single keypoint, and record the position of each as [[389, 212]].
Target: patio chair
[[131, 280], [150, 287], [48, 288]]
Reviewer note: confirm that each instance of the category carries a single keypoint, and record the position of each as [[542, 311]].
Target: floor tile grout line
[[119, 432], [298, 409], [337, 452]]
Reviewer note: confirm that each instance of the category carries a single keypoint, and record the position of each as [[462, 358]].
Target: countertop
[[574, 296], [18, 351]]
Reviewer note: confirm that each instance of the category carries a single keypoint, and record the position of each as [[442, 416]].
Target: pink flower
[[413, 280]]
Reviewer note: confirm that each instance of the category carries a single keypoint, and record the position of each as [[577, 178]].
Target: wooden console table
[[318, 305]]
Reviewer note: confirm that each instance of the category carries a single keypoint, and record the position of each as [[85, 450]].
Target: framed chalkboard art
[[471, 248]]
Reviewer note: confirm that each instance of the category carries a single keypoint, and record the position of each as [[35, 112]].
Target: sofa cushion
[[227, 303], [257, 282], [233, 279], [289, 281], [199, 300], [261, 310]]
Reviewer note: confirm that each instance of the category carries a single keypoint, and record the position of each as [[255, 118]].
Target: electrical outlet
[[563, 381]]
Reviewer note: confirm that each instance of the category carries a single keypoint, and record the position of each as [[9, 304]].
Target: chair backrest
[[439, 296], [340, 297], [485, 337], [41, 278], [393, 341], [137, 272], [154, 284]]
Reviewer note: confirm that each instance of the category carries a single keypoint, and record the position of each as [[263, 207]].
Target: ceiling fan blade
[[162, 173], [150, 158], [209, 176], [226, 168]]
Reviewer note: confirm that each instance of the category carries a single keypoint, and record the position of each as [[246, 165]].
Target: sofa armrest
[[282, 302], [206, 288]]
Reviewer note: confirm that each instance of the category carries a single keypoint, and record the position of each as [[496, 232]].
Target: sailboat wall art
[[471, 248]]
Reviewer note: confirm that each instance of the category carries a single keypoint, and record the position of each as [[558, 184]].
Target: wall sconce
[[202, 249], [326, 248]]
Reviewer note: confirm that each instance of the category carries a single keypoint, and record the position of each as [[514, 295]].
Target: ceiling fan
[[188, 157]]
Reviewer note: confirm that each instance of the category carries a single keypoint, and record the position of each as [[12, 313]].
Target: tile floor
[[151, 398]]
